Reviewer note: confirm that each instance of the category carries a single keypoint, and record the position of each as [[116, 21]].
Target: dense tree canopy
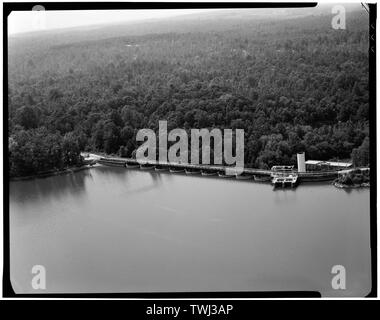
[[292, 85]]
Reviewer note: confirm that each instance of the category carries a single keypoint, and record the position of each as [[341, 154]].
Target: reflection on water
[[46, 188], [112, 229]]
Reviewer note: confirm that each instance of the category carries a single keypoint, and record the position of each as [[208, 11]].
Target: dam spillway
[[261, 175]]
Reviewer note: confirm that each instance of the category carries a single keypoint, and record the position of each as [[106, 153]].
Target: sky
[[27, 21], [40, 20]]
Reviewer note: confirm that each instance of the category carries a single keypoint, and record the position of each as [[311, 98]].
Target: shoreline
[[50, 173], [354, 186], [353, 179]]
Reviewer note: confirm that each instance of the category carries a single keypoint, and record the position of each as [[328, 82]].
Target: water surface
[[120, 230]]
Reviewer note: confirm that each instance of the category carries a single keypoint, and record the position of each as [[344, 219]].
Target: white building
[[316, 165]]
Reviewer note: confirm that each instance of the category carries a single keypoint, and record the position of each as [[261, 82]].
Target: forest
[[293, 85]]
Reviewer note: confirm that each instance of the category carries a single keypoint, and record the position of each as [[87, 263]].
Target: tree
[[111, 138], [71, 150], [360, 155], [26, 117]]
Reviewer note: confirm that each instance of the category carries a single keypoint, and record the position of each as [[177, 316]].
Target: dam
[[278, 177]]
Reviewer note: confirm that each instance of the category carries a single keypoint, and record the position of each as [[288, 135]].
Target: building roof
[[313, 162], [339, 164], [329, 163]]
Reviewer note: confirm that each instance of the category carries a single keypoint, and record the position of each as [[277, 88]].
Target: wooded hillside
[[293, 85]]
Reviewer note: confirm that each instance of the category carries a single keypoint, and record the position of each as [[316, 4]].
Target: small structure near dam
[[301, 162], [287, 180], [317, 165]]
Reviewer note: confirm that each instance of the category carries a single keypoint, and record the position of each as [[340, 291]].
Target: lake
[[110, 229]]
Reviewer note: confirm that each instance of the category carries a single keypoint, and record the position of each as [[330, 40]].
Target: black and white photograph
[[190, 150]]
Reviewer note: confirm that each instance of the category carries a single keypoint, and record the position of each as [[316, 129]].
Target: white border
[[184, 299]]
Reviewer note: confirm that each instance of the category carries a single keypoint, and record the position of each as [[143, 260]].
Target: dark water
[[118, 230]]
